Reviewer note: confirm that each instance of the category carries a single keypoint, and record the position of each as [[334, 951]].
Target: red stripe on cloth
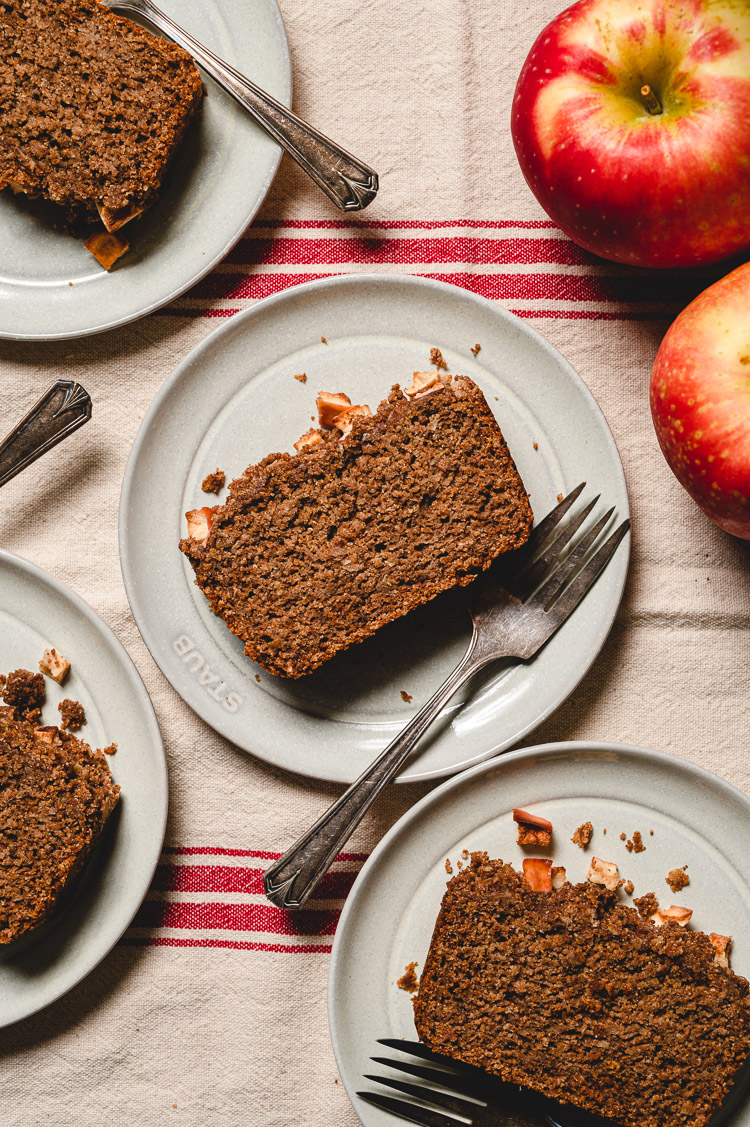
[[230, 944], [264, 854], [537, 286], [229, 878], [236, 917], [405, 224], [595, 315], [359, 249], [253, 287]]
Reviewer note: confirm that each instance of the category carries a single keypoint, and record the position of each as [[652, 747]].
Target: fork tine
[[531, 576], [567, 602], [434, 1075], [411, 1112], [567, 567], [450, 1101], [415, 1049], [541, 531]]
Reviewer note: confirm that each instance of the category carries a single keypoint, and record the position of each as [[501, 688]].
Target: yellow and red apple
[[700, 401], [631, 122]]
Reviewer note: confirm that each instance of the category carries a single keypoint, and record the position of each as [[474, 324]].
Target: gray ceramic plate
[[698, 820], [235, 399], [37, 611], [216, 185]]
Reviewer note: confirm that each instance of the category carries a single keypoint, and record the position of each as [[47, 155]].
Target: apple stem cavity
[[653, 105]]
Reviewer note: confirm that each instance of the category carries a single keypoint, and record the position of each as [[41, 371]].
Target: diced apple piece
[[330, 404], [603, 872], [199, 522], [721, 945], [344, 421], [537, 872], [680, 916], [106, 247], [558, 876], [54, 665], [309, 438]]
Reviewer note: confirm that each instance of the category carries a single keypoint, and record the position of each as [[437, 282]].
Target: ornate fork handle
[[350, 183], [290, 880], [60, 411]]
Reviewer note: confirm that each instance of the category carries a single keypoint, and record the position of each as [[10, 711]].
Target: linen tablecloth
[[212, 1008]]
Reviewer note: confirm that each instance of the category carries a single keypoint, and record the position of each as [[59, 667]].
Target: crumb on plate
[[677, 879], [583, 835], [213, 482], [408, 980], [72, 714]]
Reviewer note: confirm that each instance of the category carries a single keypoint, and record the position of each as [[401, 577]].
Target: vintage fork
[[480, 1100], [513, 616], [349, 182]]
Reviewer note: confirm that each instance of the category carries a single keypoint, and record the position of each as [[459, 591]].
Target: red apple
[[631, 123], [700, 401]]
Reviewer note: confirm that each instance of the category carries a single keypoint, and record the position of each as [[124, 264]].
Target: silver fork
[[479, 1099], [349, 182], [515, 609]]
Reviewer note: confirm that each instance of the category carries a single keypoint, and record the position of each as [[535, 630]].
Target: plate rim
[[636, 751], [82, 608], [286, 99], [300, 292]]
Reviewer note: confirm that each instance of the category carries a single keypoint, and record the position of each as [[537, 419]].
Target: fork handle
[[350, 183], [291, 880], [63, 408]]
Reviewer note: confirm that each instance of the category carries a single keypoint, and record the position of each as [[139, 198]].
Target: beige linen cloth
[[178, 1025]]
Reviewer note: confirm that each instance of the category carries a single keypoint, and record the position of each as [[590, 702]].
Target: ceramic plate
[[698, 820], [234, 400], [216, 185], [35, 612]]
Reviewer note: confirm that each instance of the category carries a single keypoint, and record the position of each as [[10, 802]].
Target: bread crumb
[[533, 835], [559, 498], [583, 835], [465, 854], [646, 905], [651, 832], [677, 879], [405, 697], [604, 830], [638, 846], [533, 829], [629, 845], [110, 749], [323, 340], [25, 693], [629, 887], [623, 837], [408, 980], [448, 866], [257, 677], [301, 376], [213, 482], [72, 713], [535, 445], [477, 348], [436, 358]]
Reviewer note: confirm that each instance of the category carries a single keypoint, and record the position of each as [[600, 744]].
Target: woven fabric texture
[[211, 1011]]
